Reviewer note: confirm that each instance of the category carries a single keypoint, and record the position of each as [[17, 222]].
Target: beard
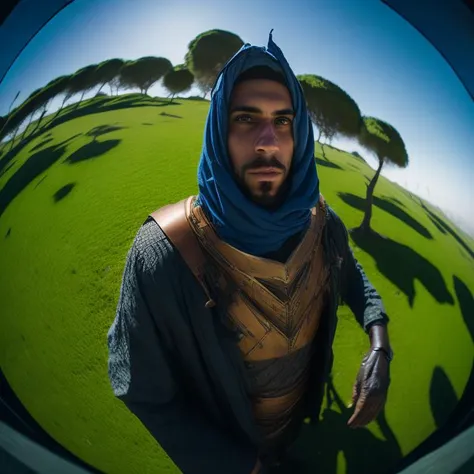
[[264, 195]]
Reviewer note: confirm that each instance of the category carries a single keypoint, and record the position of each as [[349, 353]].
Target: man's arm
[[370, 389], [142, 378], [356, 289]]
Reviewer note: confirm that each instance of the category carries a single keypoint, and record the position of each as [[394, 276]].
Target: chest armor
[[274, 307]]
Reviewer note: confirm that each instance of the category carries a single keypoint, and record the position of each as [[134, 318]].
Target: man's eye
[[243, 118], [283, 121]]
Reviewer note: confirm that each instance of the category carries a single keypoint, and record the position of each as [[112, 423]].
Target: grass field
[[71, 202]]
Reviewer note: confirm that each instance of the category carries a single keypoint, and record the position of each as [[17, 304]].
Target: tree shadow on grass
[[146, 123], [164, 114], [445, 228], [38, 163], [443, 398], [319, 445], [354, 167], [63, 192], [102, 130], [402, 265], [91, 150], [40, 181], [395, 200], [93, 106], [466, 303], [327, 164], [41, 144], [7, 168], [390, 207]]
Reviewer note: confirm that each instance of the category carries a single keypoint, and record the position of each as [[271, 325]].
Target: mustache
[[261, 162]]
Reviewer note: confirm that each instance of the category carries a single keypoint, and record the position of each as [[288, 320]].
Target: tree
[[83, 81], [208, 53], [144, 72], [107, 71], [331, 108], [48, 93], [62, 86], [386, 143], [36, 102], [178, 80]]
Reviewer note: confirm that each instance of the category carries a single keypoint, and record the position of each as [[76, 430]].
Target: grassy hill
[[71, 202]]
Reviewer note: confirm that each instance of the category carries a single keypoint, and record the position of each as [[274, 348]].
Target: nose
[[267, 140]]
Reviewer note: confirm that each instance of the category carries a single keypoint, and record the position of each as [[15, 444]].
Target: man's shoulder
[[153, 243], [333, 221], [336, 237], [151, 249]]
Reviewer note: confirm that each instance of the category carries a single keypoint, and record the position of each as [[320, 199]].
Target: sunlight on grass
[[63, 263]]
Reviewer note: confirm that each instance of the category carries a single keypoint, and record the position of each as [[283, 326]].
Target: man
[[222, 341]]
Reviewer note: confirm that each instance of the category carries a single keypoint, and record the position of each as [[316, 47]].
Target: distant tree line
[[331, 109]]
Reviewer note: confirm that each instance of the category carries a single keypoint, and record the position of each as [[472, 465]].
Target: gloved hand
[[370, 389]]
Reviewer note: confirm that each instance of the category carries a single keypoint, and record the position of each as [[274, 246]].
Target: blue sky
[[363, 46]]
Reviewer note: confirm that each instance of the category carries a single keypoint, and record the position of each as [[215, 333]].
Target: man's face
[[260, 140]]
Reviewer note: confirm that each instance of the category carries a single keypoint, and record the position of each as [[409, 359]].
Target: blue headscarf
[[237, 220]]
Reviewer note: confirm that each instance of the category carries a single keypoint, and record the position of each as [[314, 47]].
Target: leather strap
[[174, 222]]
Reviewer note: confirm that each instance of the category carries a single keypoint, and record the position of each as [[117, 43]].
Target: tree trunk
[[365, 225], [60, 108], [319, 136], [80, 100], [13, 139], [13, 101], [38, 123], [172, 97], [111, 90], [26, 128], [100, 88], [323, 152]]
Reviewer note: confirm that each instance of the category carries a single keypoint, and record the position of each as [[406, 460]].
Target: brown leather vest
[[275, 307]]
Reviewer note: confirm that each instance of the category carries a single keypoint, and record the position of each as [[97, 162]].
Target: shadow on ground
[[319, 445], [395, 200], [443, 398], [466, 303], [327, 164], [91, 150], [32, 168], [7, 168], [387, 206], [164, 114], [96, 132], [354, 167], [40, 181], [40, 161], [402, 265], [445, 228], [41, 144], [63, 192], [73, 111]]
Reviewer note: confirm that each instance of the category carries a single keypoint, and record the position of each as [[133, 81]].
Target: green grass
[[62, 264]]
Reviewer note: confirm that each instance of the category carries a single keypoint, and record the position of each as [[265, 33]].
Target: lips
[[267, 170]]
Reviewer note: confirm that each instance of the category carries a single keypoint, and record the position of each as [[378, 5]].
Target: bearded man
[[222, 341]]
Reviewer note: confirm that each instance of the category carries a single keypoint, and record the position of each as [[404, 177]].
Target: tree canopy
[[331, 108], [208, 53], [178, 80], [384, 141], [108, 70], [144, 72], [82, 80]]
